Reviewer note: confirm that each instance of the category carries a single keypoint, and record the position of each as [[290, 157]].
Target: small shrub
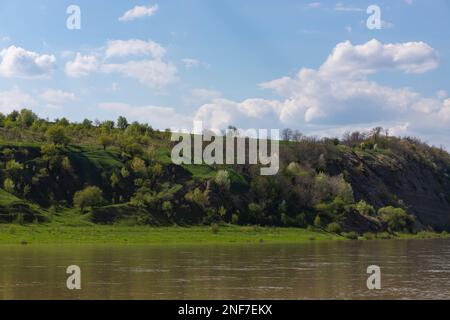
[[215, 228], [383, 235], [317, 222], [369, 236], [334, 228], [235, 218], [351, 235]]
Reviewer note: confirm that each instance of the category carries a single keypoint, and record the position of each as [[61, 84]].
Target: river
[[410, 269]]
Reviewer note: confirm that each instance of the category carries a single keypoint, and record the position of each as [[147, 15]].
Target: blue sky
[[262, 64]]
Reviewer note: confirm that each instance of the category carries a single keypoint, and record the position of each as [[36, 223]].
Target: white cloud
[[338, 96], [157, 117], [314, 5], [15, 99], [82, 65], [122, 48], [139, 12], [153, 73], [4, 38], [342, 7], [16, 62], [190, 63], [373, 56], [56, 97]]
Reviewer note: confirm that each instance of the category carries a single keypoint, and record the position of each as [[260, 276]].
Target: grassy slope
[[71, 227]]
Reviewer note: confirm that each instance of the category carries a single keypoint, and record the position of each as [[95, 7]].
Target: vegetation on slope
[[116, 173]]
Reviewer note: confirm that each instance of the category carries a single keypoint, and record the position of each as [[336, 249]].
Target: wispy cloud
[[343, 7], [139, 12]]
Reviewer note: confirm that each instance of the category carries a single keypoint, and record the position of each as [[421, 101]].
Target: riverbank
[[119, 234]]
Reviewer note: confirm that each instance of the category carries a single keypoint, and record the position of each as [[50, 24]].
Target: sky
[[314, 66]]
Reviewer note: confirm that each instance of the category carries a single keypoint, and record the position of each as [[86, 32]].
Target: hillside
[[122, 173]]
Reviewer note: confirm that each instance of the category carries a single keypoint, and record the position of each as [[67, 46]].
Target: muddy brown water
[[410, 269]]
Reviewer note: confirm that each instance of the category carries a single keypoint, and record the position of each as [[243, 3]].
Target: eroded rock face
[[420, 187]]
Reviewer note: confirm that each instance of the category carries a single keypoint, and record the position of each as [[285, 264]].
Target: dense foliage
[[123, 171]]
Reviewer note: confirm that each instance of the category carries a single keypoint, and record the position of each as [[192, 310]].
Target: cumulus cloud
[[151, 70], [82, 65], [153, 73], [373, 56], [156, 116], [139, 12], [15, 99], [57, 97], [339, 96], [16, 62], [123, 48]]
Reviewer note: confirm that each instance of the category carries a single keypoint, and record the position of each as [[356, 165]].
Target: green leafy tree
[[198, 197], [222, 180], [317, 222], [26, 118], [91, 196], [9, 185], [122, 123], [105, 140], [397, 219], [57, 135], [365, 209]]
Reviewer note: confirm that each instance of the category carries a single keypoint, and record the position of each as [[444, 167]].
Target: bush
[[198, 197], [9, 185], [56, 134], [215, 228], [317, 222], [88, 197], [397, 219], [351, 235], [369, 236], [334, 228], [222, 180], [365, 209], [327, 188]]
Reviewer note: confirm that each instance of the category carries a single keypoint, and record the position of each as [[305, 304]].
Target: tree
[[397, 219], [9, 185], [198, 197], [122, 123], [297, 136], [223, 180], [57, 134], [317, 222], [87, 124], [26, 118], [286, 134], [365, 209], [105, 140], [138, 166], [88, 197], [107, 125], [62, 122]]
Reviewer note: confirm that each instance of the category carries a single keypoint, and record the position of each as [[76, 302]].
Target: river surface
[[412, 269]]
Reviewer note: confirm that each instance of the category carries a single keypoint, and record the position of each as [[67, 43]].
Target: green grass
[[56, 233], [7, 199]]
